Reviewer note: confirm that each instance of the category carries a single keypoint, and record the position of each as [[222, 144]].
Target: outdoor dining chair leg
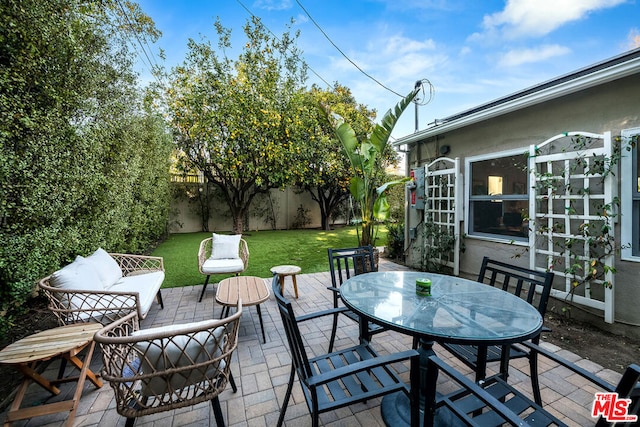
[[334, 330], [287, 395], [204, 288], [535, 382]]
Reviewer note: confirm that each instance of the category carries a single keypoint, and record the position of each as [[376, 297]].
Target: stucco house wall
[[609, 106]]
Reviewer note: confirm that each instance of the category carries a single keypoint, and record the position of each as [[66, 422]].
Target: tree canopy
[[325, 169], [235, 120]]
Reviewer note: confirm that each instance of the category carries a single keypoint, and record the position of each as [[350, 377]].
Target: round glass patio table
[[457, 311]]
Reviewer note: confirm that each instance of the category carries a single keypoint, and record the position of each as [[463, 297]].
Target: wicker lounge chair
[[216, 256], [165, 368], [104, 287]]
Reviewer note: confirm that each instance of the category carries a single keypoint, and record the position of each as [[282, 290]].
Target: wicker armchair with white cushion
[[169, 367], [222, 254], [104, 287]]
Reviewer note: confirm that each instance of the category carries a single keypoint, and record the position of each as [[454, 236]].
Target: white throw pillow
[[107, 267], [79, 275], [179, 351], [225, 247]]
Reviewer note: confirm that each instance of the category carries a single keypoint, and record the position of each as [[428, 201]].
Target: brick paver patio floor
[[262, 370]]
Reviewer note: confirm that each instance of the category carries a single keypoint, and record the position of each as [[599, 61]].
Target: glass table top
[[458, 310]]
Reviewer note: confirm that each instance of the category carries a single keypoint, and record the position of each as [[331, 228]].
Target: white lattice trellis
[[570, 206], [443, 208]]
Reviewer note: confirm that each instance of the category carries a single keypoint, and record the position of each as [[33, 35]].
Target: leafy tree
[[326, 170], [234, 119]]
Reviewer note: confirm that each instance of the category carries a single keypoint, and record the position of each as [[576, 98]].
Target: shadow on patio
[[262, 370]]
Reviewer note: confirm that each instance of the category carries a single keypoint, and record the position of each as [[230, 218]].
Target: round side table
[[287, 270]]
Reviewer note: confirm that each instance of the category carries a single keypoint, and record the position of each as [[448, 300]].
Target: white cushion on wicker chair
[[225, 247], [107, 267], [176, 351], [213, 266], [80, 274]]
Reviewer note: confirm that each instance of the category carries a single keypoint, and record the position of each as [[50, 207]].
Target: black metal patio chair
[[343, 264], [522, 282], [495, 403], [341, 378]]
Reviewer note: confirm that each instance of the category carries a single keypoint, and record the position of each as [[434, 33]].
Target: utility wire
[[276, 37], [152, 64], [343, 54]]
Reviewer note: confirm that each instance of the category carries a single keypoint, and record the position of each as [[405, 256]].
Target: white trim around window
[[497, 196], [630, 198]]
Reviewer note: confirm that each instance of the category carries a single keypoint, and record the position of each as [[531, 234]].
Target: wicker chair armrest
[[204, 252], [364, 365], [75, 306], [244, 253], [120, 328], [138, 264]]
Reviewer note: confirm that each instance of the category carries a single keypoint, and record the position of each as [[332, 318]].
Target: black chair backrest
[[296, 345], [343, 263], [522, 280]]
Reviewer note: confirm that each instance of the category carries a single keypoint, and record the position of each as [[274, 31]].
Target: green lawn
[[304, 248]]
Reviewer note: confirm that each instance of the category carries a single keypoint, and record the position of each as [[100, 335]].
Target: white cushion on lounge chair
[[107, 267], [214, 266]]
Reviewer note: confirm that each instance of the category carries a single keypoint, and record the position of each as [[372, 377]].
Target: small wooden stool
[[286, 270]]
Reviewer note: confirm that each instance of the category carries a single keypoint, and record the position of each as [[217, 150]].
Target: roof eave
[[577, 84]]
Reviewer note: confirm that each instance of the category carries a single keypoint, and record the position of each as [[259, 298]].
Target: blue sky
[[472, 51]]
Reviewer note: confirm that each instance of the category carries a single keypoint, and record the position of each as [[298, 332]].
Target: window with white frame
[[630, 194], [498, 195]]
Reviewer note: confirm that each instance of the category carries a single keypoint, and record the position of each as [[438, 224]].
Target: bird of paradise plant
[[365, 158]]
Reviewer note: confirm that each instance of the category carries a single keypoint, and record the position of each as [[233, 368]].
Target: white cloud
[[536, 18], [633, 38], [524, 56], [399, 45], [272, 4]]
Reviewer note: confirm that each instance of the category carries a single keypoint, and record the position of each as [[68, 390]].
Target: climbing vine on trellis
[[574, 211]]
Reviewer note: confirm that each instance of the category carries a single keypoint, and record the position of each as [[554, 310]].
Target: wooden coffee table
[[66, 342], [251, 290]]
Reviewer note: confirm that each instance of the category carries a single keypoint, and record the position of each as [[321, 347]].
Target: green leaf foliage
[[83, 161]]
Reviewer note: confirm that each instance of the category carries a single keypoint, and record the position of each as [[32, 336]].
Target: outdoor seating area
[[261, 369]]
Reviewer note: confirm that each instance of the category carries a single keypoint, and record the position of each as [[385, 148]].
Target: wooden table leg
[[16, 413], [30, 374]]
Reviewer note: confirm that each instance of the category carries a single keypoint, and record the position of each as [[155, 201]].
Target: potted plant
[[365, 157]]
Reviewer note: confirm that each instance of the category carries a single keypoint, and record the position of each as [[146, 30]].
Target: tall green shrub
[[83, 163]]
